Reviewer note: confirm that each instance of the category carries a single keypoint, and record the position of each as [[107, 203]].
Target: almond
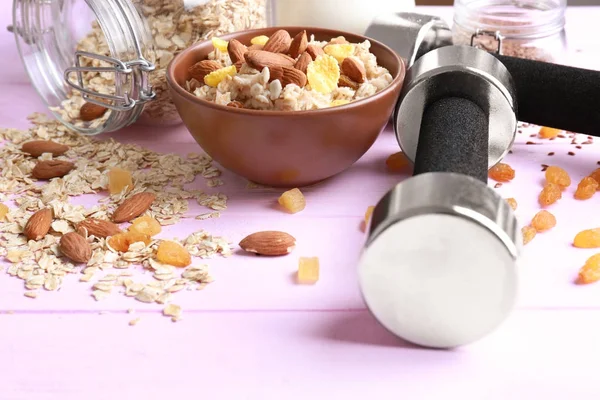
[[293, 76], [199, 70], [299, 44], [314, 51], [91, 111], [236, 51], [51, 169], [354, 70], [275, 73], [133, 207], [75, 247], [235, 104], [258, 59], [38, 224], [303, 61], [344, 81], [269, 243], [98, 227], [38, 147], [279, 42], [256, 47]]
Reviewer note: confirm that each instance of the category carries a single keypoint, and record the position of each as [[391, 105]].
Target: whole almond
[[303, 61], [74, 246], [354, 70], [49, 169], [293, 76], [199, 70], [269, 243], [279, 42], [235, 104], [314, 51], [100, 228], [299, 44], [38, 147], [91, 111], [344, 81], [258, 59], [236, 51], [133, 207], [275, 73], [38, 224], [256, 47]]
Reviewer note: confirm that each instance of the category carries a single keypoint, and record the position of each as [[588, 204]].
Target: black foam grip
[[555, 95], [453, 138]]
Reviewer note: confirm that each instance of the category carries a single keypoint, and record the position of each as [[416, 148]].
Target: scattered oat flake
[[135, 321], [31, 295], [172, 310]]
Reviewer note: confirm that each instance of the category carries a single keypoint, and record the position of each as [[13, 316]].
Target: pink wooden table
[[253, 334]]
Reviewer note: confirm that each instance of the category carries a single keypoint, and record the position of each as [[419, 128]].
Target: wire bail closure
[[493, 34]]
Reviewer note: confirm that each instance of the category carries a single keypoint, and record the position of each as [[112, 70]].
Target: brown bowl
[[279, 148]]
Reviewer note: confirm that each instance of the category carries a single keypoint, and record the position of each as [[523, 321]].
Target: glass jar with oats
[[100, 65]]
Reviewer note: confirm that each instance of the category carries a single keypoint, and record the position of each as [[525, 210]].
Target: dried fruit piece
[[236, 51], [279, 42], [269, 243], [49, 169], [293, 76], [586, 188], [99, 228], [259, 59], [502, 172], [338, 40], [590, 272], [345, 81], [528, 233], [368, 214], [340, 102], [199, 70], [38, 147], [90, 111], [122, 241], [38, 224], [548, 133], [339, 51], [303, 61], [145, 225], [323, 74], [293, 200], [275, 73], [235, 104], [133, 207], [299, 44], [512, 203], [173, 253], [214, 78], [118, 180], [558, 176], [596, 176], [3, 211], [75, 247], [260, 40], [397, 162], [314, 51], [308, 270], [550, 194], [543, 221], [354, 70], [587, 239], [219, 44]]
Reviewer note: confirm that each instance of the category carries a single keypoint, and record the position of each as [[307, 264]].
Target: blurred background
[[450, 2]]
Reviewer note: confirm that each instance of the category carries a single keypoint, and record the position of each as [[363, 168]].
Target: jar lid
[[59, 63]]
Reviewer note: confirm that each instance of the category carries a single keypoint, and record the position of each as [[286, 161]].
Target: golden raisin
[[512, 203], [587, 239], [528, 233], [550, 194], [590, 272], [340, 102], [558, 176], [145, 225], [261, 40], [547, 133], [118, 179], [502, 173], [543, 221], [586, 188], [214, 78], [293, 200], [339, 51], [397, 162], [122, 241], [323, 74], [308, 270], [3, 211], [173, 253], [596, 176], [368, 214]]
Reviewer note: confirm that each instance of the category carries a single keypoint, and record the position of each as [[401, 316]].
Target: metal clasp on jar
[[482, 33]]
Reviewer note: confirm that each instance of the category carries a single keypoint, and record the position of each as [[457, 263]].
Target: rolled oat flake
[[113, 54]]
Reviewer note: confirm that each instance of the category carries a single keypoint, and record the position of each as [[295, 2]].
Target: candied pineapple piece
[[146, 225], [308, 270], [122, 241], [118, 179], [260, 40], [173, 253], [547, 133], [339, 51], [396, 162], [293, 200], [340, 102], [3, 211], [214, 78], [323, 74], [220, 44]]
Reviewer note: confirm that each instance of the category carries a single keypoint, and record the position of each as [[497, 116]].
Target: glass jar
[[532, 29], [114, 53]]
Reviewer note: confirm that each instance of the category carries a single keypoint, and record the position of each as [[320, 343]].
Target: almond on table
[[38, 224], [133, 207], [293, 201], [36, 148], [75, 247], [99, 228], [269, 243]]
